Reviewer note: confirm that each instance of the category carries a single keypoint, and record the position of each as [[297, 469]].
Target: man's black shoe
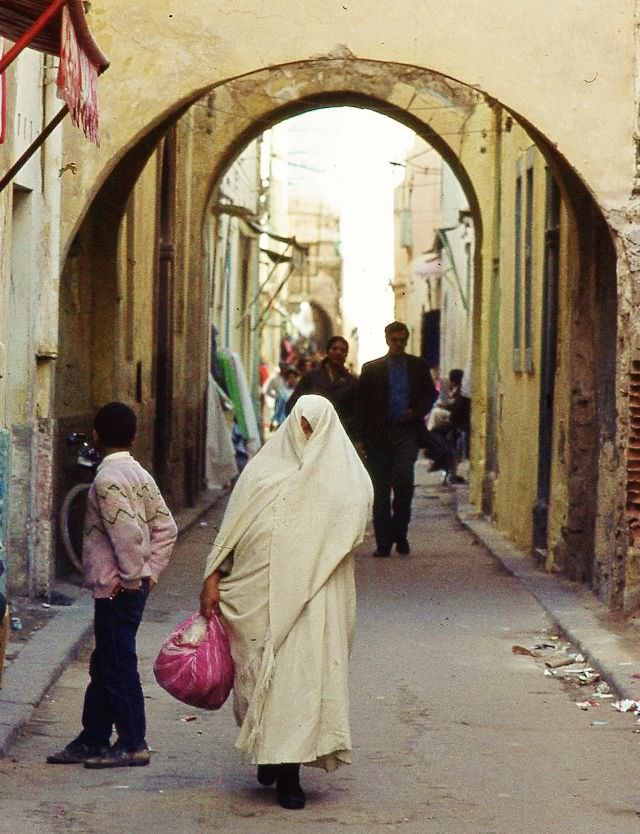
[[402, 547], [76, 752], [381, 553]]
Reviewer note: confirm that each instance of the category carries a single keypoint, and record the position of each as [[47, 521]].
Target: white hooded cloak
[[297, 511]]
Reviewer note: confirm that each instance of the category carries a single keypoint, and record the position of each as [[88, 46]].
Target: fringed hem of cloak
[[250, 734]]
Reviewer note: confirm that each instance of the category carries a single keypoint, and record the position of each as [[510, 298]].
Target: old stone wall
[[195, 48], [483, 143], [621, 529]]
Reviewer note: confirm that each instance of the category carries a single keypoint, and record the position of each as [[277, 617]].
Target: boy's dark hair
[[455, 376], [115, 425], [396, 327]]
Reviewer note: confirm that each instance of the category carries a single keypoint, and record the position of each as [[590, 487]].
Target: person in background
[[437, 382], [290, 377], [331, 380], [452, 423], [392, 397], [287, 351], [263, 373], [305, 364], [453, 388], [274, 385], [129, 536], [263, 379]]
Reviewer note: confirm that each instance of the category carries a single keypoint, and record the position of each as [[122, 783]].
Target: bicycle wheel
[[72, 515]]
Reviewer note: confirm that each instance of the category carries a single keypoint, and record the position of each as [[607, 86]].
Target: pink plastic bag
[[195, 664]]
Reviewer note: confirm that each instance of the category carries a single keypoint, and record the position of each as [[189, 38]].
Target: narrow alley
[[427, 215], [452, 731]]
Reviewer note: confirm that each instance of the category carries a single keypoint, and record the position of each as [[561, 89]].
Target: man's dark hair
[[396, 327], [115, 425], [455, 376], [335, 339]]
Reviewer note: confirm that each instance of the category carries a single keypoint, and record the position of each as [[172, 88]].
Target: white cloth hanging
[[220, 463]]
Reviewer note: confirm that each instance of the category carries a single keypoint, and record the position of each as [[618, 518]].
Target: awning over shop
[[59, 27], [18, 16]]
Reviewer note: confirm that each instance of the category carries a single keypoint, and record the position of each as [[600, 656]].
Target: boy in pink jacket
[[129, 535]]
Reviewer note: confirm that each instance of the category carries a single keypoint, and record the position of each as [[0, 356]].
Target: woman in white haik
[[281, 573]]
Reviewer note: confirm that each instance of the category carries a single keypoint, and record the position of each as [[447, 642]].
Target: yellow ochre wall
[[515, 487]]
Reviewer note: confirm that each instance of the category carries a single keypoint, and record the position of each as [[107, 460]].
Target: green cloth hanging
[[231, 383]]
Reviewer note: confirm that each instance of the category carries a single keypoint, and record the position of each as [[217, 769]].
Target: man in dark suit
[[392, 397]]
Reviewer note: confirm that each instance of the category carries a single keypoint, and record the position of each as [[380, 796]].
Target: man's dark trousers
[[114, 694], [391, 467]]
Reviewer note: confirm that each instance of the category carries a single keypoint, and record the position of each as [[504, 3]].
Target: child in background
[[129, 536], [279, 412]]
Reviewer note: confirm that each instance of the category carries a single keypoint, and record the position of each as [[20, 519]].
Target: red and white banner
[[78, 80]]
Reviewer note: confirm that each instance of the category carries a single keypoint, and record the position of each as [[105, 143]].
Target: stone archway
[[196, 48], [459, 123], [462, 125]]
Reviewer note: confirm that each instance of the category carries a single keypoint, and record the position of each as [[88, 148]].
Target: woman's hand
[[210, 596]]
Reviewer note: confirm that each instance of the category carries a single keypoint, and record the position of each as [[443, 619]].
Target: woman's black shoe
[[268, 773], [289, 792]]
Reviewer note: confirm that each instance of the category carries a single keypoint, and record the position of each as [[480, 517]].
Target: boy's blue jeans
[[114, 694]]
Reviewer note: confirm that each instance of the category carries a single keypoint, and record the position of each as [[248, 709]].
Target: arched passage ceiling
[[567, 68], [438, 109]]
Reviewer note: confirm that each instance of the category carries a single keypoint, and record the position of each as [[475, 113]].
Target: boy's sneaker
[[76, 752], [119, 756]]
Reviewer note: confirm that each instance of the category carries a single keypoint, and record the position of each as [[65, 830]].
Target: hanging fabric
[[220, 461], [78, 81], [59, 27], [237, 388], [248, 407]]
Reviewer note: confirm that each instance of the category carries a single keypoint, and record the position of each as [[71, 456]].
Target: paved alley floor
[[453, 733]]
